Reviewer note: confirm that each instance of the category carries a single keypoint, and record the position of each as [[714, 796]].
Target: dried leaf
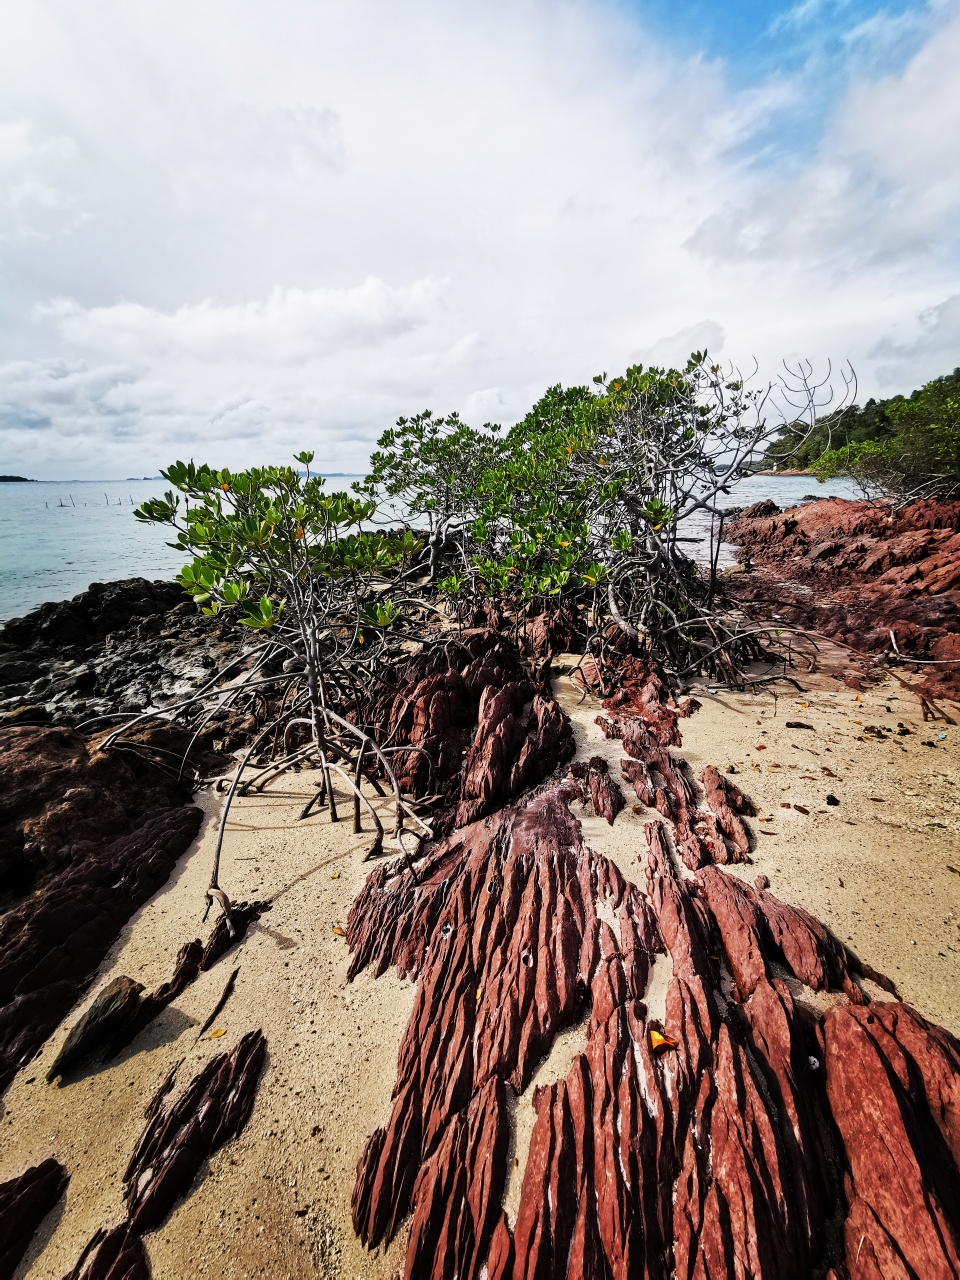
[[340, 933], [659, 1041], [217, 1033]]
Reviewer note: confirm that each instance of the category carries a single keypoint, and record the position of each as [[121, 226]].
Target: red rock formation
[[700, 1147], [872, 570], [500, 926], [117, 1254], [602, 788], [24, 1203], [893, 1082], [482, 732], [51, 944], [212, 1110]]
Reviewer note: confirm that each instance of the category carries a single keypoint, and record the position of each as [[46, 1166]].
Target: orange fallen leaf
[[341, 933], [658, 1041], [220, 1031], [761, 746]]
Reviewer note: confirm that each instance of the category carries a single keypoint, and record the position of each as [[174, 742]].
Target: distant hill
[[878, 420], [16, 480]]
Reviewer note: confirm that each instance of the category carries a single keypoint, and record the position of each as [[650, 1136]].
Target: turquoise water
[[57, 537]]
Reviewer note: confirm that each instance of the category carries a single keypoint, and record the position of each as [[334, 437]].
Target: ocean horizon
[[58, 536]]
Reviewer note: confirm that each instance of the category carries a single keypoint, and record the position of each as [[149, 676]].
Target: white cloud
[[234, 230], [934, 350], [674, 349]]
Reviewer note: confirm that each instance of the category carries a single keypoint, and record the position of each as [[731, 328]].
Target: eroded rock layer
[[212, 1110], [740, 1134], [52, 943], [469, 728], [24, 1202], [863, 573]]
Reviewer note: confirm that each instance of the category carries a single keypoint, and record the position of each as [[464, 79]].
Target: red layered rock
[[727, 804], [51, 944], [602, 788], [501, 929], [893, 1082], [699, 1147], [479, 730], [458, 1191], [24, 1203], [873, 570]]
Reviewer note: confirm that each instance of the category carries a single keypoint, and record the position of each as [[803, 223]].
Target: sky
[[234, 230]]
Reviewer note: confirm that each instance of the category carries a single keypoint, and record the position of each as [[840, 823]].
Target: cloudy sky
[[231, 230]]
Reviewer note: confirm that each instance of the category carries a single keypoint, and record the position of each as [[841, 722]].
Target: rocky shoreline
[[622, 1048], [115, 648], [879, 579]]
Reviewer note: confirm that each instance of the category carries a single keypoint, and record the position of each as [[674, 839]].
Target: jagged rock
[[499, 924], [117, 1254], [875, 570], [458, 1191], [242, 916], [62, 799], [728, 803], [815, 955], [51, 944], [702, 1146], [893, 1082], [604, 791], [481, 733], [114, 1007], [642, 692], [24, 1202], [212, 1110]]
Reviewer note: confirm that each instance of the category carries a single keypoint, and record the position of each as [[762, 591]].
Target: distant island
[[16, 480]]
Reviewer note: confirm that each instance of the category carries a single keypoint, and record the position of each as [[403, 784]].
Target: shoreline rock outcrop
[[745, 1133], [877, 578]]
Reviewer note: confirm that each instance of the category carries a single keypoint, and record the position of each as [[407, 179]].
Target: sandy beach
[[878, 868]]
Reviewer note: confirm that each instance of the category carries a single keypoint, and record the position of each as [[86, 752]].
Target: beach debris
[[218, 1007], [831, 800], [24, 1202], [339, 931], [659, 1041], [801, 809], [799, 724]]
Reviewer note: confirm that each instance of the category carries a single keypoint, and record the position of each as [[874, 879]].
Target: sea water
[[56, 537]]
